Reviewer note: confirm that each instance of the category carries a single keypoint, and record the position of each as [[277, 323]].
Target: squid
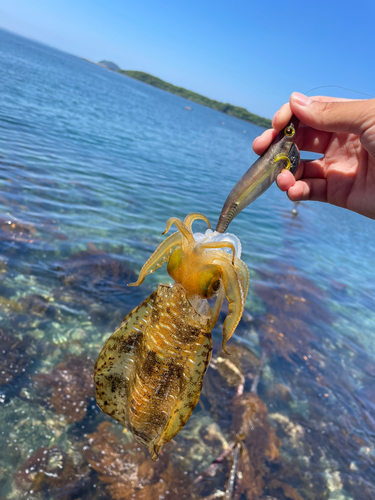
[[149, 374]]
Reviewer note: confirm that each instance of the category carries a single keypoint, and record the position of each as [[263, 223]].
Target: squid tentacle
[[161, 255], [215, 244], [216, 308], [235, 295], [181, 227], [189, 219], [244, 275]]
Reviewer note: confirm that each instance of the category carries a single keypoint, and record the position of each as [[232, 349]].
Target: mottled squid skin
[[150, 372], [154, 390]]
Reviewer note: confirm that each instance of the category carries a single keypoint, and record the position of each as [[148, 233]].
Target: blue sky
[[252, 54]]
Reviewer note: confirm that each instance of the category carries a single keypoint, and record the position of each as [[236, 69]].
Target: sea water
[[92, 165]]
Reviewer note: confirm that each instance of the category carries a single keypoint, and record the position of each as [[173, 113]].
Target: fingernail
[[301, 99]]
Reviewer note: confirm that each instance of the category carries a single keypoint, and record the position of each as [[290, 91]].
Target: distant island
[[226, 108], [229, 109], [109, 65]]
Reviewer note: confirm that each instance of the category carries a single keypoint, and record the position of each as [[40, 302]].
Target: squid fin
[[115, 365]]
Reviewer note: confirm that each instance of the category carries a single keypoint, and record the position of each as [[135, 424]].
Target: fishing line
[[339, 87]]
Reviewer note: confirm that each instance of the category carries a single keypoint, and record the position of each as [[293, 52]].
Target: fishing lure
[[281, 154], [149, 373]]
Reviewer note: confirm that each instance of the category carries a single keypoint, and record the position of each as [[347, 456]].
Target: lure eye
[[289, 131], [209, 281]]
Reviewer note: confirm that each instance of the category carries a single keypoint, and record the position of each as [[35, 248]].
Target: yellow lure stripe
[[283, 157]]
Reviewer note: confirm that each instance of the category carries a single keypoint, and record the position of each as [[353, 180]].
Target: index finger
[[280, 119]]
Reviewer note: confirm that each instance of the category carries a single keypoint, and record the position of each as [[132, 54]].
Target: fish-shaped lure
[[281, 154]]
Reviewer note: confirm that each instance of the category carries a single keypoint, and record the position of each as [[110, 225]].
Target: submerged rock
[[33, 304], [127, 471], [3, 266], [288, 293], [95, 270], [14, 359], [260, 445], [251, 467], [16, 230], [198, 443], [26, 427], [53, 472], [226, 377], [69, 387], [97, 281], [284, 336]]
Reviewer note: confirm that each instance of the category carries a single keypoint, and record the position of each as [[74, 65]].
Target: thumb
[[333, 115]]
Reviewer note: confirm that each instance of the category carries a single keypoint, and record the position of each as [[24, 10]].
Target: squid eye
[[209, 281], [289, 131]]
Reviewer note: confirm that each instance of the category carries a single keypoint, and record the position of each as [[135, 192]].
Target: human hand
[[344, 132]]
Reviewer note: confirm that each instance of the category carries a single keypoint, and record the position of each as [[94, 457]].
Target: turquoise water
[[92, 164]]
